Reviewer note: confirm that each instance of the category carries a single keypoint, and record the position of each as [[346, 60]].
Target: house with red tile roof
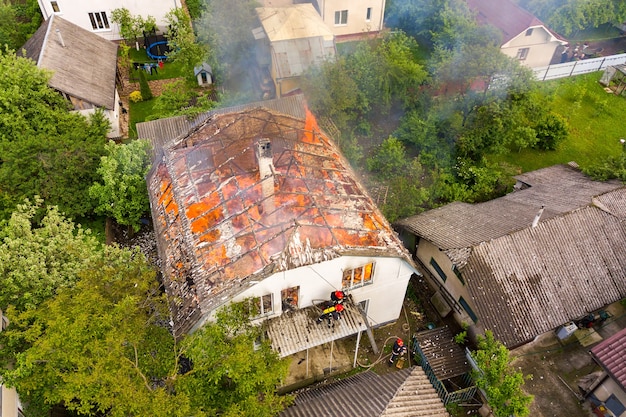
[[610, 392], [524, 36], [261, 205]]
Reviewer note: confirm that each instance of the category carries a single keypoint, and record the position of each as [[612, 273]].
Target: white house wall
[[77, 12], [541, 46], [385, 295], [610, 387], [357, 15]]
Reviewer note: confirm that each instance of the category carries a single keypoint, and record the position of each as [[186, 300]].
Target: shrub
[[146, 93], [135, 97]]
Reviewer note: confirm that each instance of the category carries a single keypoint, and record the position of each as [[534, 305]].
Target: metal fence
[[585, 66], [456, 396]]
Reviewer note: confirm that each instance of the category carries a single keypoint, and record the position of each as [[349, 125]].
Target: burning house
[[257, 204]]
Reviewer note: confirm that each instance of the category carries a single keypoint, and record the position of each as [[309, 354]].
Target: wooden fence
[[585, 66]]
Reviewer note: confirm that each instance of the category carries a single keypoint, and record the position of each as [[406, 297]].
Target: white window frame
[[55, 7], [368, 14], [358, 281], [258, 302], [99, 21], [341, 18]]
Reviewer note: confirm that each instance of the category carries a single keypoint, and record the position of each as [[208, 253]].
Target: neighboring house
[[83, 67], [259, 204], [348, 20], [402, 393], [523, 35], [526, 263], [290, 41], [95, 17], [351, 20], [610, 390]]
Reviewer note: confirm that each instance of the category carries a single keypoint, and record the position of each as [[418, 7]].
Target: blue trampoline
[[158, 50]]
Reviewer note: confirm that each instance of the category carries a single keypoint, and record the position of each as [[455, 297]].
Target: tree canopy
[[45, 149], [89, 331], [123, 194], [500, 381]]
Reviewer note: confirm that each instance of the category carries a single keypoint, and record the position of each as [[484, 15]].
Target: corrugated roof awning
[[295, 331]]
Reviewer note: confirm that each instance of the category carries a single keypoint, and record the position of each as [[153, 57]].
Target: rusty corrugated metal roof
[[219, 224], [611, 355]]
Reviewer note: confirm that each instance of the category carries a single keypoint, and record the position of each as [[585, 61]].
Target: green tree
[[500, 381], [39, 258], [389, 160], [613, 167], [144, 87], [99, 347], [183, 47], [123, 194], [18, 21], [45, 149]]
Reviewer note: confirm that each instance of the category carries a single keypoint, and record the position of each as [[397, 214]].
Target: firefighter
[[397, 350], [337, 297], [331, 313]]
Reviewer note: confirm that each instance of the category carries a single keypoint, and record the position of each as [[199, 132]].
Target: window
[[358, 277], [522, 53], [55, 6], [437, 268], [341, 17], [262, 306], [458, 274], [529, 32], [99, 20], [368, 15], [467, 308], [289, 298]]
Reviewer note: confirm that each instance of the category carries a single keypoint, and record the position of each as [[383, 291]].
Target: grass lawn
[[138, 113], [170, 70], [596, 123]]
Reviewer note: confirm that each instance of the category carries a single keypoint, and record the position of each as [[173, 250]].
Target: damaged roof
[[445, 357], [220, 222]]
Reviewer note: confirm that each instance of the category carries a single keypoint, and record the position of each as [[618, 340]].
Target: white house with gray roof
[[83, 67], [523, 264]]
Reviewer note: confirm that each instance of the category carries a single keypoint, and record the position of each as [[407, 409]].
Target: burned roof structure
[[545, 254], [251, 193]]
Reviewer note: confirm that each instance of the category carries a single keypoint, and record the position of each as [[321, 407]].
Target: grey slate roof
[[405, 393], [611, 355], [84, 68], [559, 188], [527, 280], [536, 279]]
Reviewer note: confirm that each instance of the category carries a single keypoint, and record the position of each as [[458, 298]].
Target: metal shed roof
[[611, 355], [446, 358]]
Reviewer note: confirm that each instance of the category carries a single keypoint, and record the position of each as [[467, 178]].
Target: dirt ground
[[558, 366]]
